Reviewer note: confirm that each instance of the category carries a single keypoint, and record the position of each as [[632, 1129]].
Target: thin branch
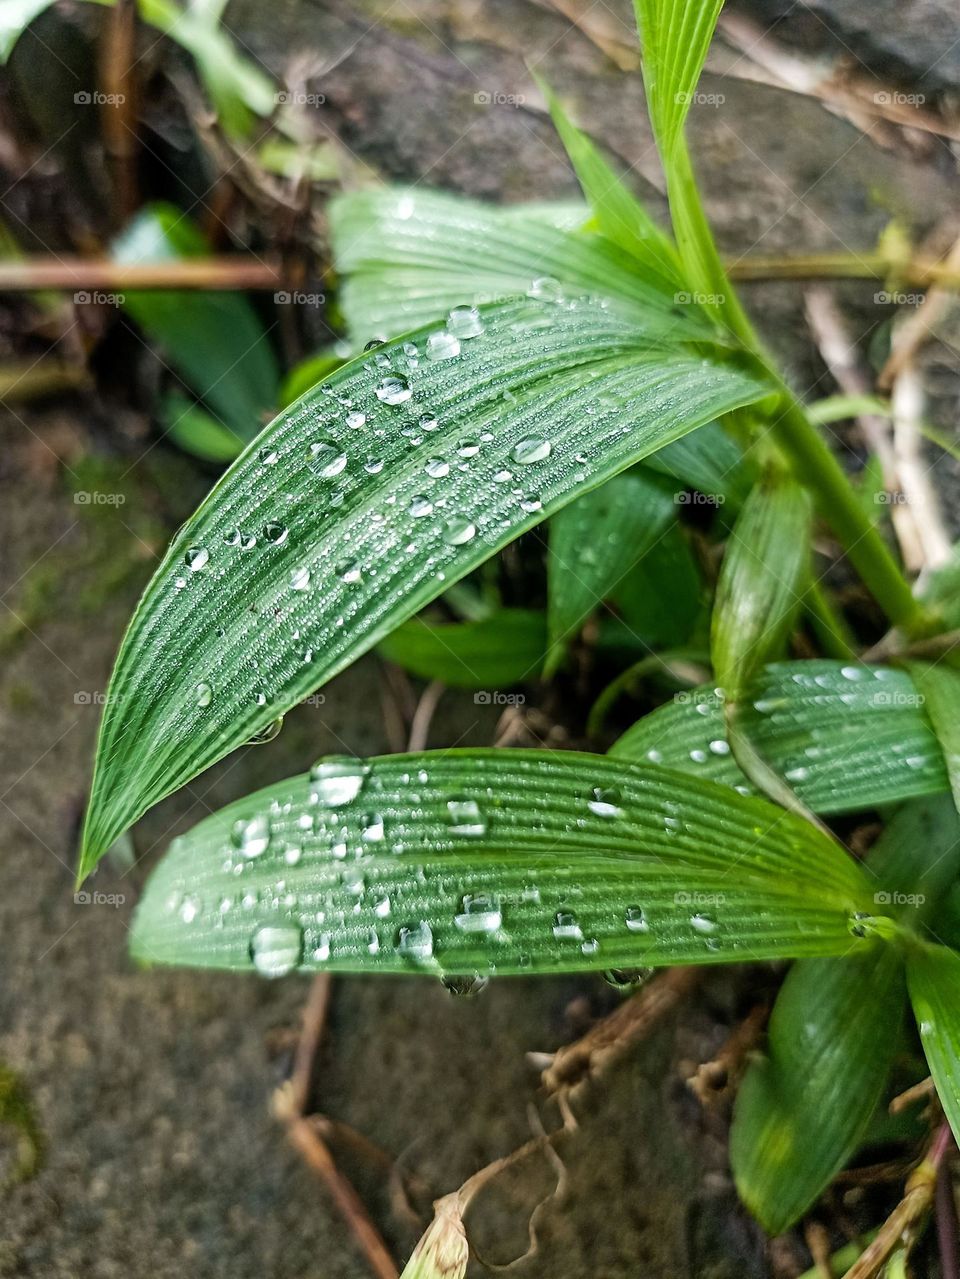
[[718, 1078], [226, 271], [423, 715]]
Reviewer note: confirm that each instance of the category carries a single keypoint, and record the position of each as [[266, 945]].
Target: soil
[[153, 1089]]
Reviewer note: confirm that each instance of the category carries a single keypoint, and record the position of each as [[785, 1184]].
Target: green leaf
[[846, 737], [594, 543], [403, 252], [358, 506], [661, 600], [939, 688], [15, 17], [214, 341], [618, 213], [196, 432], [503, 649], [498, 861], [804, 1108], [304, 376], [676, 35], [933, 976], [711, 463], [761, 583]]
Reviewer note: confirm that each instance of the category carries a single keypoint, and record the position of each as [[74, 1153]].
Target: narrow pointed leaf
[[359, 505], [618, 213], [709, 462], [594, 543], [804, 1107], [491, 654], [845, 737], [662, 601], [676, 35], [402, 252], [933, 976], [761, 581], [498, 861], [939, 687]]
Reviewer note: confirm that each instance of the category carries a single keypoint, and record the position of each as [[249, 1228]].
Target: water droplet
[[416, 942], [300, 579], [373, 465], [428, 422], [204, 694], [479, 913], [382, 908], [720, 747], [268, 455], [266, 734], [348, 571], [321, 951], [394, 390], [233, 537], [458, 531], [703, 924], [464, 322], [627, 978], [337, 780], [190, 909], [530, 502], [604, 801], [437, 468], [468, 448], [327, 458], [466, 817], [546, 289], [636, 920], [442, 346], [465, 987], [275, 533], [196, 558], [566, 927], [276, 949], [251, 837], [371, 829], [373, 344], [356, 420], [531, 449], [420, 506]]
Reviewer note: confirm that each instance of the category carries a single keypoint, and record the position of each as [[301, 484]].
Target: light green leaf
[[433, 863], [845, 737], [358, 506], [402, 252], [939, 687], [15, 17], [215, 340], [761, 583], [305, 375], [196, 432], [933, 976], [594, 543], [618, 213], [803, 1108], [710, 462], [503, 649], [676, 35]]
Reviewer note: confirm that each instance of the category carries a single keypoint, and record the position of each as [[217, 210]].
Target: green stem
[[835, 636]]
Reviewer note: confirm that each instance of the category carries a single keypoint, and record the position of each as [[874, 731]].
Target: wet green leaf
[[676, 35], [594, 544], [933, 976], [845, 737], [435, 863], [363, 502], [500, 650], [939, 686], [662, 599]]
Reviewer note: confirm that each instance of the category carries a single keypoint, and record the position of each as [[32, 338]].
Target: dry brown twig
[[718, 1079]]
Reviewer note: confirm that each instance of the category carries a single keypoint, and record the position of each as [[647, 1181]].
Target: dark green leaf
[[594, 544], [305, 375], [939, 688], [933, 975], [661, 601], [499, 861], [503, 649], [361, 504], [845, 737], [710, 462]]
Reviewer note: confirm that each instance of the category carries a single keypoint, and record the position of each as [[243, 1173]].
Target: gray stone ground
[[153, 1088]]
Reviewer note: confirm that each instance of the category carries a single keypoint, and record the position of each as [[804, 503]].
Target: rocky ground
[[152, 1089]]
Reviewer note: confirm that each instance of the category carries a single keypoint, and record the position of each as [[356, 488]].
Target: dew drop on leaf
[[337, 780], [566, 926], [458, 531], [437, 468], [464, 322], [416, 942], [251, 837], [300, 579], [266, 734], [466, 817], [465, 987], [442, 346], [196, 558], [604, 801], [275, 533], [268, 455], [393, 390], [531, 449], [420, 506], [276, 949], [327, 458], [355, 420], [479, 913], [636, 920], [204, 694]]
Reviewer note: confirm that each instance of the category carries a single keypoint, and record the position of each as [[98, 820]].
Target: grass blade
[[359, 505], [845, 737], [498, 861], [939, 687], [933, 977], [503, 649]]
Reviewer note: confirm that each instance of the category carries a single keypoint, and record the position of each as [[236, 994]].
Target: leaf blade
[[496, 651], [933, 979], [427, 840]]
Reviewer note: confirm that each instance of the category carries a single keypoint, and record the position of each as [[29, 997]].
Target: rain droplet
[[356, 420], [268, 455], [636, 920], [337, 780], [530, 502], [373, 344], [532, 449], [371, 830], [479, 913], [327, 458], [300, 579], [420, 506], [394, 390], [566, 927], [465, 987], [604, 801], [251, 837], [428, 422], [466, 817], [703, 924], [276, 949], [437, 468], [458, 531], [196, 558], [348, 571], [275, 533], [464, 322], [546, 289], [442, 346], [204, 694], [232, 537], [266, 734], [416, 942], [373, 465]]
